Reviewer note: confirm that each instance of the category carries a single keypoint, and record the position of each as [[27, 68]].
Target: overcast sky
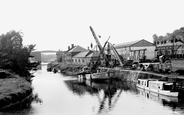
[[56, 24]]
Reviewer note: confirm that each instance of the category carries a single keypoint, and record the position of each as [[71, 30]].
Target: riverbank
[[13, 89]]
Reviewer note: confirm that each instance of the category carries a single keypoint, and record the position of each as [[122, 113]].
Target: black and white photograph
[[91, 57]]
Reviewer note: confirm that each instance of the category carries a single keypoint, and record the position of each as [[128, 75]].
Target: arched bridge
[[46, 51]]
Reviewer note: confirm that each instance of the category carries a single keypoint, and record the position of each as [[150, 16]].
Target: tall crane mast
[[121, 61], [96, 38], [102, 52]]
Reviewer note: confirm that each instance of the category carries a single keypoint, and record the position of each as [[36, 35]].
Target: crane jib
[[96, 38]]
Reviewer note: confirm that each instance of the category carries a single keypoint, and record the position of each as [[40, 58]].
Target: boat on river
[[155, 96], [159, 87], [100, 74]]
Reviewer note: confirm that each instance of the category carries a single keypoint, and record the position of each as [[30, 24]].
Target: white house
[[82, 58]]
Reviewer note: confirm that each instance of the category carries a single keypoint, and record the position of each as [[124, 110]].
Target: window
[[78, 60], [182, 51], [82, 60]]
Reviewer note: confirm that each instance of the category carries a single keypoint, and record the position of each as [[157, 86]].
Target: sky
[[56, 24]]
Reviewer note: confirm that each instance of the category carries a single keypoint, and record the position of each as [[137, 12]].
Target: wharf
[[133, 75]]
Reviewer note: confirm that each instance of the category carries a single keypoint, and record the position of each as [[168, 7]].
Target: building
[[170, 47], [68, 55], [136, 50], [82, 58]]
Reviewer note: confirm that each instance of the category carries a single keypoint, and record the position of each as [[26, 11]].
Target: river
[[64, 95]]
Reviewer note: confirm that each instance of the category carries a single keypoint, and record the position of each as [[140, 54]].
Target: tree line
[[176, 36], [14, 56]]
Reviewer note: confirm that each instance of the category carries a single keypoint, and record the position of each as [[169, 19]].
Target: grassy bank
[[13, 89]]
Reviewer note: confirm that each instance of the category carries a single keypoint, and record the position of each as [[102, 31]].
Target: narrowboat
[[160, 87]]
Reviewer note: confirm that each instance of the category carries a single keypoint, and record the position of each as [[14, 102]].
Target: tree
[[178, 35], [14, 56], [155, 37]]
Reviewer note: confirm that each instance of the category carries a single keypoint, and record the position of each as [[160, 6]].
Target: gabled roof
[[83, 54], [134, 43], [77, 49]]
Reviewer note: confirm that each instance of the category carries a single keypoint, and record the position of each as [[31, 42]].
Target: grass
[[15, 85]]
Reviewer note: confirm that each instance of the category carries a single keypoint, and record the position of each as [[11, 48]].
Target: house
[[136, 50], [67, 57], [82, 58], [170, 47]]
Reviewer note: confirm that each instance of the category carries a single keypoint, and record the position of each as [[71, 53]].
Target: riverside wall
[[133, 75]]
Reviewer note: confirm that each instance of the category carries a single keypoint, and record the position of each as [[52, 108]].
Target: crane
[[96, 38], [99, 45], [117, 55], [102, 48]]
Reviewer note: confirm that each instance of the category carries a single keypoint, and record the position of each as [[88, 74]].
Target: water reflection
[[173, 102], [107, 92], [67, 95], [111, 92]]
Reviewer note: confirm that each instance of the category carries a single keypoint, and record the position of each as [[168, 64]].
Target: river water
[[66, 95]]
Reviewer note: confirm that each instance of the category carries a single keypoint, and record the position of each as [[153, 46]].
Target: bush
[[14, 56]]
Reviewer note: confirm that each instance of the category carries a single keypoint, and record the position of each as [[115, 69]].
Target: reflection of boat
[[160, 87], [96, 85]]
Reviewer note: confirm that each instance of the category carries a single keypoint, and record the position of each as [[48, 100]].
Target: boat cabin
[[155, 84]]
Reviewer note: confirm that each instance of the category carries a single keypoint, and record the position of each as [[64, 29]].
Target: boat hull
[[156, 88], [95, 76], [162, 92]]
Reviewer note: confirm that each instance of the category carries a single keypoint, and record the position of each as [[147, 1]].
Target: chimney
[[68, 47], [88, 48], [72, 45]]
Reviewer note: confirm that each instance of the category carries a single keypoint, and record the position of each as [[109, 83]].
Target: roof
[[95, 54], [134, 43], [77, 49], [83, 54]]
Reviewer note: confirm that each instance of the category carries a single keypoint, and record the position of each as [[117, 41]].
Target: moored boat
[[160, 87], [97, 76]]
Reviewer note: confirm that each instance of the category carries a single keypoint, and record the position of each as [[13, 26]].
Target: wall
[[132, 75], [177, 64], [149, 52], [76, 61], [125, 52]]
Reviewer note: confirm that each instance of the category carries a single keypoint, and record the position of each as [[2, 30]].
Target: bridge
[[46, 51], [37, 54]]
